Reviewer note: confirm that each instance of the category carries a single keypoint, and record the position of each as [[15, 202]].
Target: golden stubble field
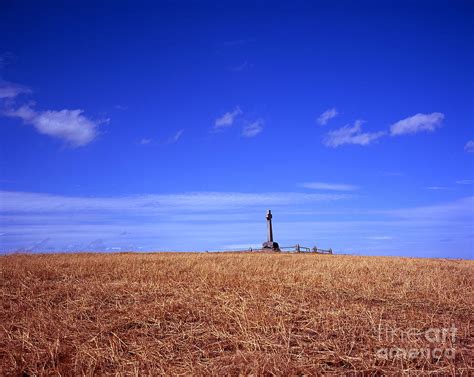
[[201, 314]]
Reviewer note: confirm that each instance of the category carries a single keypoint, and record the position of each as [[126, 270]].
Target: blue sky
[[175, 125]]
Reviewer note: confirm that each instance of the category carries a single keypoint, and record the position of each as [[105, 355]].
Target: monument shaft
[[270, 244], [269, 226]]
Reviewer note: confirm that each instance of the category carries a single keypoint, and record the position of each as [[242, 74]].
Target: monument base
[[269, 245]]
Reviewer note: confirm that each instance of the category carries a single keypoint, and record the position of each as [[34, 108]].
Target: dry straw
[[219, 314]]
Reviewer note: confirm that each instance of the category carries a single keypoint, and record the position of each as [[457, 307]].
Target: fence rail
[[285, 249], [303, 249]]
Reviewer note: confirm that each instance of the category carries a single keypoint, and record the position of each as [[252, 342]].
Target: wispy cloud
[[252, 129], [435, 188], [379, 238], [469, 147], [325, 117], [145, 141], [351, 135], [215, 220], [37, 203], [329, 186], [173, 139], [227, 119], [70, 126], [236, 42], [241, 67], [6, 58], [392, 174], [249, 129], [417, 123], [465, 182], [11, 90], [203, 220], [459, 209]]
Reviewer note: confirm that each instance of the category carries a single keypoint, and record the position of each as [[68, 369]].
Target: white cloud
[[227, 119], [175, 137], [252, 129], [241, 67], [351, 135], [69, 125], [469, 147], [459, 209], [214, 221], [145, 141], [329, 186], [11, 90], [325, 117], [417, 123], [465, 182], [379, 238], [155, 203], [435, 188]]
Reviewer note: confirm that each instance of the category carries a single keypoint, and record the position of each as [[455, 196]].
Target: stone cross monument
[[270, 244]]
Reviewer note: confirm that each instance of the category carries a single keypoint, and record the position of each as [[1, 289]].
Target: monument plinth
[[270, 244]]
